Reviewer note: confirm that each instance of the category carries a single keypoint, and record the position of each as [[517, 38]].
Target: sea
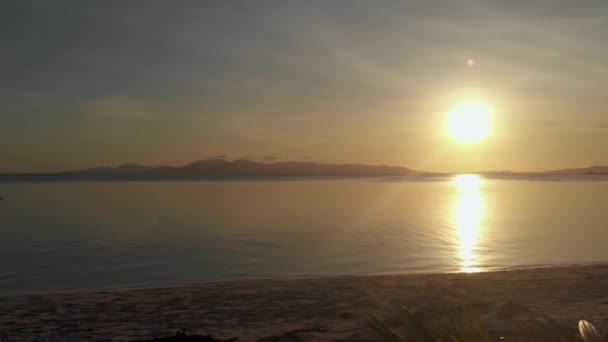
[[92, 236]]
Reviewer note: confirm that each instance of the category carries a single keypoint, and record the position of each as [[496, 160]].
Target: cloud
[[86, 134], [584, 125], [550, 123], [119, 107]]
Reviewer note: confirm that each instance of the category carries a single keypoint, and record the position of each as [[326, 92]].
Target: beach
[[321, 309], [303, 171]]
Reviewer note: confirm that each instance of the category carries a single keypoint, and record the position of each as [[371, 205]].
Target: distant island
[[217, 169], [248, 169]]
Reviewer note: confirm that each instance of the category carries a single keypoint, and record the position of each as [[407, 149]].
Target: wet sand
[[325, 308]]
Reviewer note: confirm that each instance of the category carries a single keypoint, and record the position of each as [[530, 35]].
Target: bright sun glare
[[467, 182], [469, 123]]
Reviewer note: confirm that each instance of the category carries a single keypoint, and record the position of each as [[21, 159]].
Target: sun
[[469, 123]]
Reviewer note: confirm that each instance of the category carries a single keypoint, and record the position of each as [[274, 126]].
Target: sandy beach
[[322, 309]]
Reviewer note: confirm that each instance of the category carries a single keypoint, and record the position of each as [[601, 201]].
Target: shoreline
[[295, 278], [329, 306]]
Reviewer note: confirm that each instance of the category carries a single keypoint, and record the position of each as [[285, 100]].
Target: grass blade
[[414, 326], [382, 329], [588, 331]]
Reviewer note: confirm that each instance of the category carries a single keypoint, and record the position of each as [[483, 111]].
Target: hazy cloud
[[362, 81], [550, 123], [118, 107], [218, 156]]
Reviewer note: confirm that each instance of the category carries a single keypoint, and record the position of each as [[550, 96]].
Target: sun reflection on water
[[467, 216]]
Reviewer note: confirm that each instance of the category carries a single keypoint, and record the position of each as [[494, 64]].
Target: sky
[[90, 83]]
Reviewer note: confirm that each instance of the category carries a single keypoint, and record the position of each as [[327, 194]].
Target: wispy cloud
[[550, 123], [119, 107], [218, 156]]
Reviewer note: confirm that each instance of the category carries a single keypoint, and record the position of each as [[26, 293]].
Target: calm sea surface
[[90, 236]]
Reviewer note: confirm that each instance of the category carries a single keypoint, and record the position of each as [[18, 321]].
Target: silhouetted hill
[[583, 171], [217, 168], [248, 168], [591, 170], [244, 168]]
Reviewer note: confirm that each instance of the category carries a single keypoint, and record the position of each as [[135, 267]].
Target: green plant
[[590, 334], [466, 327]]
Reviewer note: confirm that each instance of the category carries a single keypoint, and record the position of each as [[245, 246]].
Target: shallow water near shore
[[57, 237]]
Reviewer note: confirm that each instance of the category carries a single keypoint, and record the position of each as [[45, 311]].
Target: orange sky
[[366, 82]]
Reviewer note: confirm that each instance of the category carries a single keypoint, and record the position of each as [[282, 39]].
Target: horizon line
[[279, 161]]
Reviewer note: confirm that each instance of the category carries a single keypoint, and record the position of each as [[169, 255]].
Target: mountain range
[[244, 168], [217, 169]]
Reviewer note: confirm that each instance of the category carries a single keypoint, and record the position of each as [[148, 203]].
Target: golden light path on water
[[467, 216]]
